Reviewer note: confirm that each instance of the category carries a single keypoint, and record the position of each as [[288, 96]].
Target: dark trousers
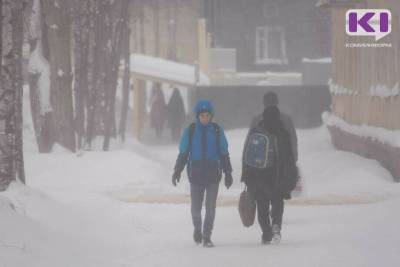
[[197, 195], [268, 209]]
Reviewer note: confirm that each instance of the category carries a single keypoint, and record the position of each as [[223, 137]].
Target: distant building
[[270, 35], [265, 34]]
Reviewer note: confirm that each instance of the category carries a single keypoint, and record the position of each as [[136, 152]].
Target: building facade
[[365, 86], [269, 34]]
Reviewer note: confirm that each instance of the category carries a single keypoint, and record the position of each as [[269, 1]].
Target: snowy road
[[71, 215]]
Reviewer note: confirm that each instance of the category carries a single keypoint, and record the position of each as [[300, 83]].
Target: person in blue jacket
[[204, 148]]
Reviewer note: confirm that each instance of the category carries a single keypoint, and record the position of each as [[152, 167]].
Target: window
[[270, 45]]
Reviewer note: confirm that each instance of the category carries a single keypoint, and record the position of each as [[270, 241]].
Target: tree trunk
[[115, 55], [11, 146], [172, 23], [142, 30], [43, 124], [18, 40], [125, 85], [156, 19], [81, 24], [58, 26], [41, 109], [97, 96], [92, 72], [7, 172], [1, 40]]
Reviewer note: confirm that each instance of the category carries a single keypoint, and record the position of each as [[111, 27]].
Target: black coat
[[287, 174], [280, 180], [176, 110]]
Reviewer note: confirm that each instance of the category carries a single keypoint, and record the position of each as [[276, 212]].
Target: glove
[[287, 196], [228, 180], [175, 178], [226, 163]]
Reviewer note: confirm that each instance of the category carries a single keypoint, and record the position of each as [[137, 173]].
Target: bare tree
[[125, 84], [172, 14], [110, 22], [11, 145], [156, 25], [142, 29], [56, 14], [122, 18], [81, 20], [97, 94], [39, 80]]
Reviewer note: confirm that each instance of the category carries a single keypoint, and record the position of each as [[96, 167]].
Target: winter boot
[[266, 239], [197, 237], [276, 234], [207, 243]]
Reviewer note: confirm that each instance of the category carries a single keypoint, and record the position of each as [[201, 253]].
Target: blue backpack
[[260, 151]]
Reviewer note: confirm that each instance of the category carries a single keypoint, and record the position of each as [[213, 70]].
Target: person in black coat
[[176, 114], [158, 111], [270, 186]]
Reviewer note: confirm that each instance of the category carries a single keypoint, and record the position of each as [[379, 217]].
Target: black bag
[[247, 208]]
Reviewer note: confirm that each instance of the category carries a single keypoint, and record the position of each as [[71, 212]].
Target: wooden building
[[365, 84], [167, 29]]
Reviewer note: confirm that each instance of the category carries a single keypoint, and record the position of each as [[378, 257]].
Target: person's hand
[[228, 180], [287, 196], [175, 178]]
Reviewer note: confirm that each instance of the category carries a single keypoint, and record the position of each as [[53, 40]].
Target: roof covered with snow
[[165, 70]]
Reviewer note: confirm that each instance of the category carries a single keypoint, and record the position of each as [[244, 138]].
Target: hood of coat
[[203, 106]]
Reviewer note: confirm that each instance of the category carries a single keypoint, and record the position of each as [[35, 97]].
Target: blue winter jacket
[[205, 161]]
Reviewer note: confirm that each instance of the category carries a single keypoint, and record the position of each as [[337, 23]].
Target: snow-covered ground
[[119, 208]]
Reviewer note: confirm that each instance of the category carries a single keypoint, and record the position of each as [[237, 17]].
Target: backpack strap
[[217, 130], [192, 127]]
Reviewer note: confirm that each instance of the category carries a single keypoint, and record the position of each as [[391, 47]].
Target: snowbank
[[36, 231], [385, 136]]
